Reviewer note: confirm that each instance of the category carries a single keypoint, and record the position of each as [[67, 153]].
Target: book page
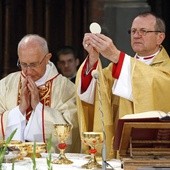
[[150, 114]]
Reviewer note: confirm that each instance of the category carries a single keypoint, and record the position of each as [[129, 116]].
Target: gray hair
[[159, 25], [34, 39]]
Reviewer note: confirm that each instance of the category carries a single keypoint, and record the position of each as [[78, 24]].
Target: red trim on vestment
[[117, 67], [145, 58], [86, 78], [43, 128], [2, 127]]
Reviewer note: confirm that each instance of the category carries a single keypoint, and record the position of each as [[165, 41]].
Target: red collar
[[145, 58]]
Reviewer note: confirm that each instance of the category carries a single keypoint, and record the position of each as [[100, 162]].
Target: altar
[[41, 164]]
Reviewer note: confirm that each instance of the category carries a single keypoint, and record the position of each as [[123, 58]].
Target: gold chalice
[[62, 131], [92, 139]]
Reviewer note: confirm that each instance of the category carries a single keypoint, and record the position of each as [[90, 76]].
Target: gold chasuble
[[150, 86], [150, 91], [89, 115]]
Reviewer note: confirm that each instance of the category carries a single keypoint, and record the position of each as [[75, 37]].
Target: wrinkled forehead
[[147, 22], [30, 50], [30, 45]]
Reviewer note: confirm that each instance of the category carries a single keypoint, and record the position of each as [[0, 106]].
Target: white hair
[[34, 39]]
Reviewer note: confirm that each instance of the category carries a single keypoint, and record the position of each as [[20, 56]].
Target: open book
[[151, 114], [139, 134]]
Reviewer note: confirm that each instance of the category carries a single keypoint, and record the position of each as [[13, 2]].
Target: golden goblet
[[62, 131], [92, 139]]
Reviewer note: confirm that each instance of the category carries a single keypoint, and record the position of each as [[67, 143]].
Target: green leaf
[[3, 149], [48, 159], [10, 137], [34, 156], [12, 165]]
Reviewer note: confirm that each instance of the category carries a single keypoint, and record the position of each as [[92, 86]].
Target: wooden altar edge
[[126, 135], [135, 164], [148, 162], [150, 152]]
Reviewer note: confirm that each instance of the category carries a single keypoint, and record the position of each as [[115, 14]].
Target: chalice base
[[92, 164], [62, 160]]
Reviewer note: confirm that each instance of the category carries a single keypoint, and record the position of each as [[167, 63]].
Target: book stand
[[145, 145]]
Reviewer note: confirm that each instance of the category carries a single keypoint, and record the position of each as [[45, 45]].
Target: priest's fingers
[[35, 99], [32, 86], [105, 46], [34, 92], [24, 102], [24, 88]]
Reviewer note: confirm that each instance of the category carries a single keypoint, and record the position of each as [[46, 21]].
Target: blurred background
[[64, 22]]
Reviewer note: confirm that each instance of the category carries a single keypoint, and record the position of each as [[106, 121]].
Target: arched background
[[64, 22]]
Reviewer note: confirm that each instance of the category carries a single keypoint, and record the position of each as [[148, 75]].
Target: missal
[[143, 132]]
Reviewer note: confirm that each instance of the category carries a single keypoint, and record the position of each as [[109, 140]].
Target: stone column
[[118, 16]]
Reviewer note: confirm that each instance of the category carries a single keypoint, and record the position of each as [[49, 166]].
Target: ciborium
[[62, 131], [92, 139]]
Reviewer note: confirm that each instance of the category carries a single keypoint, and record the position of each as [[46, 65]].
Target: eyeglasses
[[31, 66], [141, 32]]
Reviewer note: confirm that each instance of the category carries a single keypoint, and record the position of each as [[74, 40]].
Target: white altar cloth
[[78, 161]]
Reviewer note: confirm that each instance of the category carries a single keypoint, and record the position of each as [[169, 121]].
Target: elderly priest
[[37, 97]]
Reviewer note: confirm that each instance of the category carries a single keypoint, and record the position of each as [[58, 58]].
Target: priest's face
[[33, 61], [145, 39]]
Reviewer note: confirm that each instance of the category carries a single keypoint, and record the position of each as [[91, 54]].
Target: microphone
[[95, 75]]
